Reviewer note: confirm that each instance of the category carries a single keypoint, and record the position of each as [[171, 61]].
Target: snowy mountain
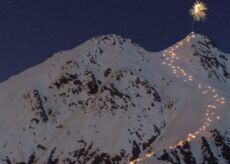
[[111, 101]]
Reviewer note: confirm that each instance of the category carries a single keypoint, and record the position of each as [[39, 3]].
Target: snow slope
[[110, 101]]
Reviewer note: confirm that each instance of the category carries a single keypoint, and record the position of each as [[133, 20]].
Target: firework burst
[[198, 11]]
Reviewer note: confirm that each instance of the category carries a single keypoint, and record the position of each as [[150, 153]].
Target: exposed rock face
[[213, 150], [212, 59]]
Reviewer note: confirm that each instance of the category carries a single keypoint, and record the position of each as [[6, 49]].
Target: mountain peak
[[201, 53], [202, 40], [113, 39]]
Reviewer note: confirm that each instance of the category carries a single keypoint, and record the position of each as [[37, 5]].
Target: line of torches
[[170, 57]]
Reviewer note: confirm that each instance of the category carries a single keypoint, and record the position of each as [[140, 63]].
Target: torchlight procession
[[170, 57], [198, 12]]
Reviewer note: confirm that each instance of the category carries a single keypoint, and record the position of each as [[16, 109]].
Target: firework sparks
[[198, 11]]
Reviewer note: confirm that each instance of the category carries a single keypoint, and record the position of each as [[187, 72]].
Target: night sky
[[32, 30]]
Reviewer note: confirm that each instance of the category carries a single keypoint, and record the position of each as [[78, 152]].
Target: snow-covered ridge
[[109, 100]]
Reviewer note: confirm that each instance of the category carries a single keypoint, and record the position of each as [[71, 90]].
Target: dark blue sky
[[32, 30]]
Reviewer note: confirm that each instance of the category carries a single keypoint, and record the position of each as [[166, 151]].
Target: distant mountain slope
[[110, 101]]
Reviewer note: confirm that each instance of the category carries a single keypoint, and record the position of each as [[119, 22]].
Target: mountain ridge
[[117, 39]]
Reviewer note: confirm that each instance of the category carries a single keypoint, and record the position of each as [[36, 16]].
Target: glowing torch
[[198, 11]]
